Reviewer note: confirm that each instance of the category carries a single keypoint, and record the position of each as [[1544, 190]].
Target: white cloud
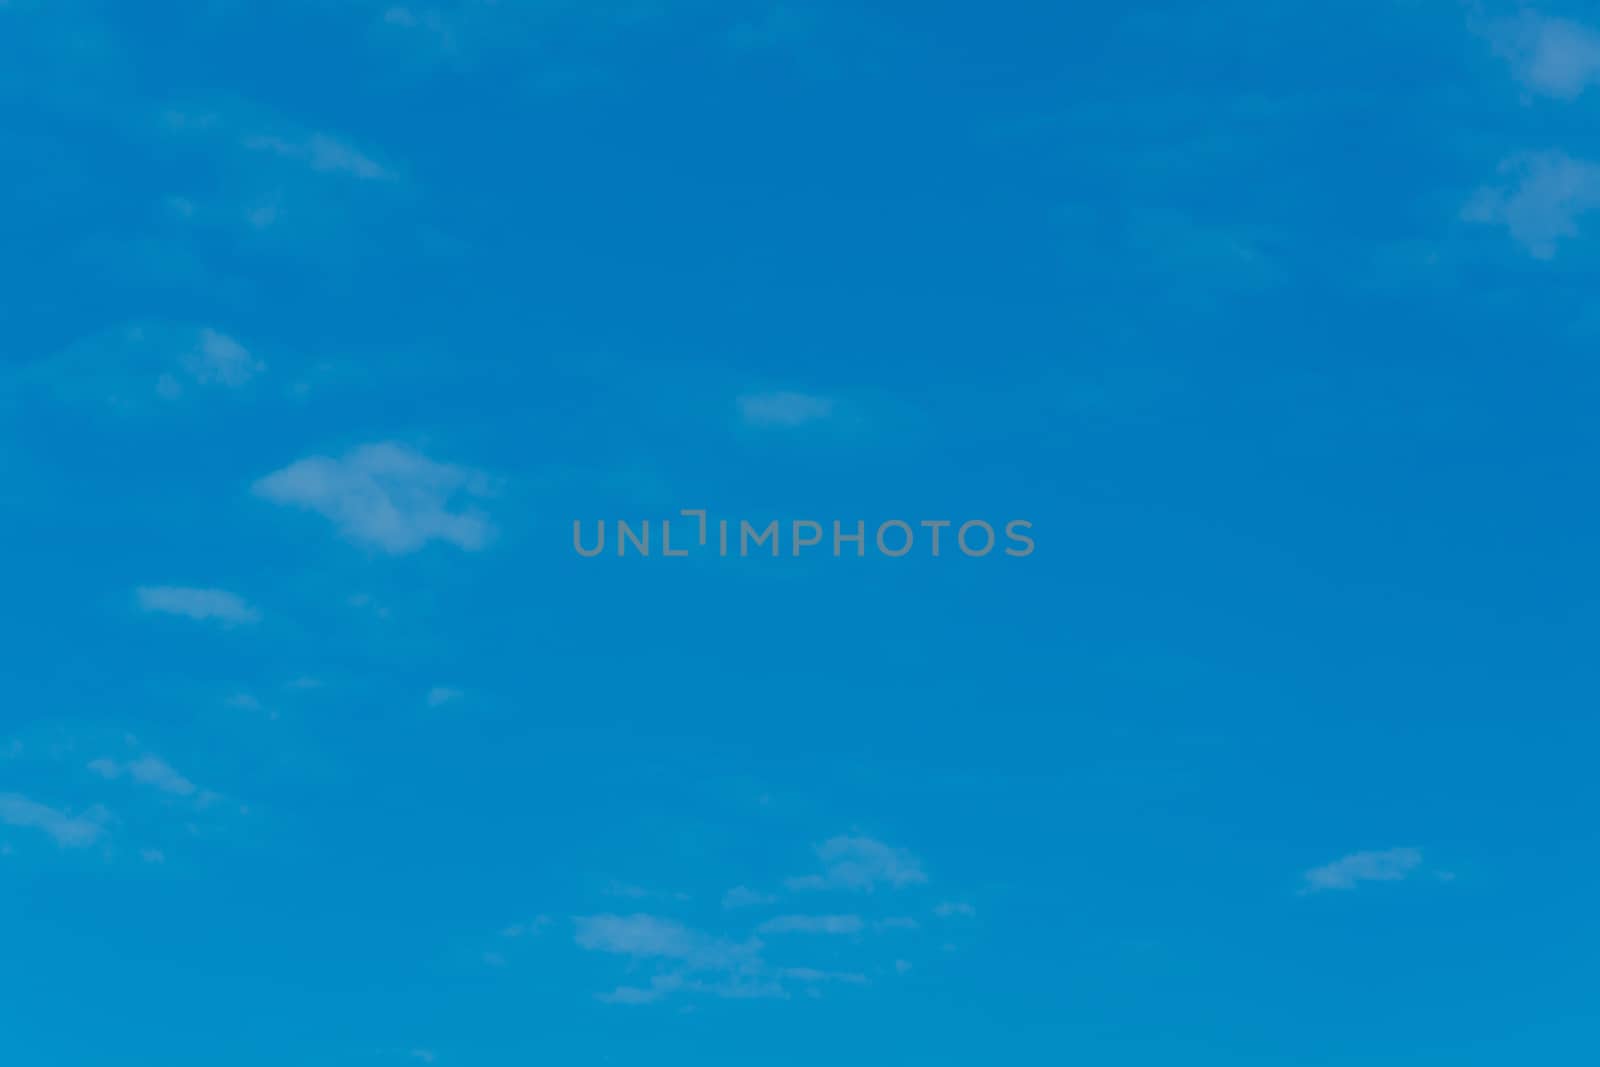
[[811, 974], [217, 359], [1393, 865], [440, 695], [365, 600], [697, 961], [152, 855], [270, 135], [950, 908], [660, 986], [423, 1054], [861, 863], [1545, 195], [386, 495], [647, 936], [783, 409], [811, 924], [671, 958], [321, 153], [69, 831], [148, 365], [150, 771], [1553, 56], [199, 604], [519, 929], [743, 897]]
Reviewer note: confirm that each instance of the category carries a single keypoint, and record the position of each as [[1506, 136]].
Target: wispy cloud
[[773, 26], [562, 43], [199, 604], [320, 152], [217, 359], [812, 924], [149, 771], [69, 831], [1553, 56], [735, 960], [861, 863], [147, 366], [538, 923], [695, 961], [238, 123], [744, 897], [811, 974], [948, 909], [441, 695], [648, 936], [1393, 865], [1540, 200], [387, 496], [783, 409], [660, 985]]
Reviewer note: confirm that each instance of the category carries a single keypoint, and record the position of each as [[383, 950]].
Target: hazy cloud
[[147, 770], [950, 908], [743, 897], [320, 152], [69, 831], [387, 496], [538, 923], [695, 961], [861, 863], [812, 924], [440, 695], [783, 409], [217, 359], [811, 974], [1540, 200], [1553, 56], [659, 986], [199, 604], [647, 936], [1393, 865], [146, 366]]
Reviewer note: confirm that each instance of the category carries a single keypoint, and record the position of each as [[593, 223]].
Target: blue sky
[[323, 323]]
